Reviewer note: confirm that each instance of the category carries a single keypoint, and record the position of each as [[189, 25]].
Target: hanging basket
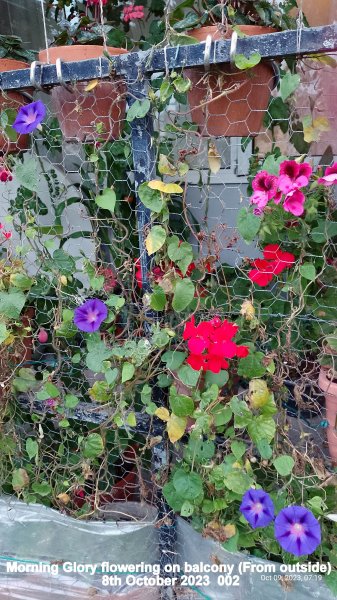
[[84, 112], [226, 101], [13, 100]]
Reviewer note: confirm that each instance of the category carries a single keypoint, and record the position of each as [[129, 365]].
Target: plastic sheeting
[[194, 549], [37, 535]]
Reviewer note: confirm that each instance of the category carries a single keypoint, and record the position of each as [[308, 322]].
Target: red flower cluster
[[96, 2], [210, 344], [274, 262], [6, 234], [132, 12]]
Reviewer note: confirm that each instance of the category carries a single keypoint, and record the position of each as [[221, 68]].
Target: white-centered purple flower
[[90, 315], [29, 117], [297, 530], [257, 507]]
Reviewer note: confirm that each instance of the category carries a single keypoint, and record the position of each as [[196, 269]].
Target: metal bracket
[[207, 53], [32, 75], [59, 76]]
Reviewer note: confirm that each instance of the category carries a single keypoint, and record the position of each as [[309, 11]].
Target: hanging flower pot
[[85, 112], [318, 13], [329, 387], [13, 101], [227, 101]]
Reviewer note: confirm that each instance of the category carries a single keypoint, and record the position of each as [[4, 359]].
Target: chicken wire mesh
[[78, 433]]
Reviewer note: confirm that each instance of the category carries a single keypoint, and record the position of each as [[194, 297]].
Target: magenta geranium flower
[[265, 188], [293, 175], [297, 530], [90, 315], [294, 203], [330, 176], [29, 117], [257, 507]]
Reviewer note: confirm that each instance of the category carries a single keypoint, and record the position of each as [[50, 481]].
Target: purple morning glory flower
[[29, 117], [257, 507], [90, 315], [297, 530]]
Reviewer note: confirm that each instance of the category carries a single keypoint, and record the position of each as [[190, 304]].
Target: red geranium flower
[[210, 344], [274, 262]]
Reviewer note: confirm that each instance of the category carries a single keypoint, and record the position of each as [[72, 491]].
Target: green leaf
[[242, 62], [70, 401], [251, 366], [138, 110], [63, 262], [264, 449], [180, 253], [51, 390], [27, 174], [4, 333], [182, 406], [12, 303], [128, 371], [248, 225], [107, 199], [166, 90], [272, 164], [171, 497], [98, 353], [115, 302], [289, 83], [42, 489], [20, 479], [187, 509], [173, 359], [32, 448], [324, 230], [238, 449], [188, 376], [284, 464], [238, 481], [261, 427], [93, 446], [181, 84], [308, 271], [219, 379], [152, 199], [131, 419], [111, 376], [155, 239], [187, 485], [21, 281], [179, 39], [331, 582], [199, 451], [158, 298], [183, 294]]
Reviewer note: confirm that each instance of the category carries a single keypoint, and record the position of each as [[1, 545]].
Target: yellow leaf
[[9, 340], [162, 413], [259, 393], [64, 498], [165, 188], [155, 239], [312, 129], [229, 530], [176, 428], [165, 167], [214, 160], [326, 59], [91, 85]]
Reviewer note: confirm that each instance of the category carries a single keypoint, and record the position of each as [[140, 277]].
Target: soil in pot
[[329, 387], [81, 112], [13, 100], [227, 101]]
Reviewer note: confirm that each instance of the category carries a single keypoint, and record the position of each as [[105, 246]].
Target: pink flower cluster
[[96, 2], [330, 176], [132, 12], [286, 187], [5, 174]]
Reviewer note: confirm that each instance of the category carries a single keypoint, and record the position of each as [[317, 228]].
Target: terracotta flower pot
[[80, 112], [319, 13], [239, 111], [13, 100], [330, 390]]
